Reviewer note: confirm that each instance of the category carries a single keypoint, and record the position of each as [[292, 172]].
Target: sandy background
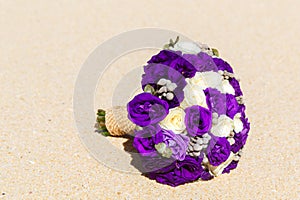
[[43, 45]]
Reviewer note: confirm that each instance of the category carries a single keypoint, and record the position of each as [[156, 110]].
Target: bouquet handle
[[114, 122]]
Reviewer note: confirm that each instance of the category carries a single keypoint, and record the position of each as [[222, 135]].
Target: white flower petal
[[238, 124], [186, 47], [193, 95], [227, 87], [213, 79], [223, 127], [206, 79], [198, 80], [174, 120]]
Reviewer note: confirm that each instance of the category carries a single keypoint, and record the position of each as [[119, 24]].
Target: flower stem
[[100, 125], [171, 43]]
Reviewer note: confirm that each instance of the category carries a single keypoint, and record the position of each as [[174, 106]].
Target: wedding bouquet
[[189, 123]]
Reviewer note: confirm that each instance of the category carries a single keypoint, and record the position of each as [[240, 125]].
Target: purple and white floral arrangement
[[191, 122]]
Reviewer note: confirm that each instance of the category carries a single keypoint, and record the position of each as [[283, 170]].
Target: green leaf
[[101, 123], [100, 119], [105, 133], [101, 112], [215, 52]]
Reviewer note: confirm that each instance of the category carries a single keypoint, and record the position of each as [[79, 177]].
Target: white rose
[[237, 123], [193, 95], [226, 87], [198, 80], [213, 80], [206, 79], [187, 47], [223, 127], [174, 120]]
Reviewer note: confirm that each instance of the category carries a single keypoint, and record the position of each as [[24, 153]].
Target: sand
[[43, 46]]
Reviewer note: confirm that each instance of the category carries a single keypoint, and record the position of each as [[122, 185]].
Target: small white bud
[[162, 81], [170, 96], [171, 86], [196, 154], [197, 147], [162, 89]]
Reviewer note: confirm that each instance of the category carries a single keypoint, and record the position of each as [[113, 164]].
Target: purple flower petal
[[145, 109], [216, 101], [218, 150], [198, 120], [236, 85], [143, 141], [178, 143], [241, 138], [222, 65], [181, 172], [230, 167]]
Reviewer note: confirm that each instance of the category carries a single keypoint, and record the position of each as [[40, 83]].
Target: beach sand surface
[[43, 45]]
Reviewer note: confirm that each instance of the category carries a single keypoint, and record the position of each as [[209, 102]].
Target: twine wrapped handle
[[114, 122]]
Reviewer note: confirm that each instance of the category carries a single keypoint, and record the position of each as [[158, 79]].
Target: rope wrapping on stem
[[114, 122]]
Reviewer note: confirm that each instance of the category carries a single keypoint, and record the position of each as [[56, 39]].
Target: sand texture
[[43, 45]]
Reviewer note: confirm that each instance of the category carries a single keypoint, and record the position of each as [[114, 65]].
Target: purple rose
[[201, 62], [178, 143], [205, 175], [222, 103], [144, 142], [180, 172], [168, 177], [191, 169], [222, 65], [215, 100], [197, 120], [175, 61], [145, 109], [242, 109], [165, 57], [194, 60], [157, 164], [241, 137], [207, 63], [230, 167], [183, 67], [236, 86], [155, 72], [232, 106], [218, 150]]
